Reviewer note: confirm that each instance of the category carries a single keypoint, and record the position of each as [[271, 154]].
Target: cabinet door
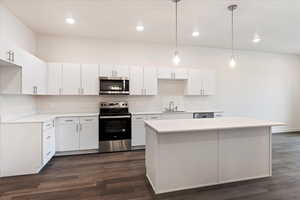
[[165, 73], [54, 78], [121, 71], [209, 82], [180, 74], [67, 134], [136, 81], [89, 134], [138, 130], [150, 81], [194, 83], [28, 73], [41, 77], [90, 79], [106, 70], [71, 79]]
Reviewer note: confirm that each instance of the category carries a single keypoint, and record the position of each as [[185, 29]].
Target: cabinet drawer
[[68, 120], [47, 125], [139, 117], [88, 120], [154, 117]]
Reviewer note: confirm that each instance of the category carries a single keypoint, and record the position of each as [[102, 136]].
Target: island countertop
[[187, 125]]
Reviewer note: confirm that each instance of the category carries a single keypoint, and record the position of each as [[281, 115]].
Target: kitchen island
[[192, 153]]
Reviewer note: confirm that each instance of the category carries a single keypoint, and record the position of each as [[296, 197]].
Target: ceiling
[[276, 21]]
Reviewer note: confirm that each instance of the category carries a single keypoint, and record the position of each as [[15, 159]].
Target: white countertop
[[178, 112], [40, 118], [186, 125]]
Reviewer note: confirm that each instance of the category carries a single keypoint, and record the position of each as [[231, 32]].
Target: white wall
[[12, 106], [264, 85]]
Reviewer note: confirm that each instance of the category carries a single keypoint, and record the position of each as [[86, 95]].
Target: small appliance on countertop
[[114, 127]]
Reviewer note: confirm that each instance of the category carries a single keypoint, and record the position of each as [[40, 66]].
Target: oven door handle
[[114, 117]]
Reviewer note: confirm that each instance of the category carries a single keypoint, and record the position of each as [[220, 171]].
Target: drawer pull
[[48, 153], [88, 120], [69, 120]]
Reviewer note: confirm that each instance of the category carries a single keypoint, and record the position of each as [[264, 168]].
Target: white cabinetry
[[114, 71], [138, 128], [177, 116], [54, 71], [143, 81], [89, 79], [67, 134], [88, 133], [34, 74], [26, 147], [48, 141], [172, 73], [201, 82], [71, 79], [77, 133]]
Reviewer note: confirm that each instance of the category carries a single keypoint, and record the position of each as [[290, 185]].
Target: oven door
[[114, 86], [114, 128]]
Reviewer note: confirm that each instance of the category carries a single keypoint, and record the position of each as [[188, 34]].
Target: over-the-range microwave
[[114, 85]]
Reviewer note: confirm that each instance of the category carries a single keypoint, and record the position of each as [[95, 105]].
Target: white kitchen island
[[191, 153]]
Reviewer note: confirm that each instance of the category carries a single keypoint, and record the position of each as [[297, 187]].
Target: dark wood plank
[[121, 176]]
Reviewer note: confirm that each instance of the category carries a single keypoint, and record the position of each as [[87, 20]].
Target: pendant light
[[232, 62], [176, 58]]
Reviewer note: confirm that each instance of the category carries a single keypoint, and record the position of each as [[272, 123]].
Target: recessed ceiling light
[[140, 28], [256, 38], [70, 20], [195, 34]]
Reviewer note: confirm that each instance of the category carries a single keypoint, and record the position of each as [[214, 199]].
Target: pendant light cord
[[176, 31], [232, 34]]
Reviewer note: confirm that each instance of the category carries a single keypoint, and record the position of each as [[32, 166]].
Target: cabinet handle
[[88, 120], [9, 55], [13, 56], [69, 120], [48, 153]]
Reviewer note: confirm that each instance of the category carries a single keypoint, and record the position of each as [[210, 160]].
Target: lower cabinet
[[138, 128], [76, 134], [26, 147], [48, 141]]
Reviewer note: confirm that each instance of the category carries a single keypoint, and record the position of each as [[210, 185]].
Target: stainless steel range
[[114, 127]]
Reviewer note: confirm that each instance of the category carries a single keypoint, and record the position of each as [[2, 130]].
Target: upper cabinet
[[143, 81], [54, 71], [71, 79], [169, 73], [201, 82], [114, 71], [34, 75], [89, 79]]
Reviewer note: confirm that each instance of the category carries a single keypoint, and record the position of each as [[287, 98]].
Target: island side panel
[[151, 156], [187, 160], [244, 154]]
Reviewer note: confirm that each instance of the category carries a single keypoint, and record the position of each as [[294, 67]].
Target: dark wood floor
[[121, 176]]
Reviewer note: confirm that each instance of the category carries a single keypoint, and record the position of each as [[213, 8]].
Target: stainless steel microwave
[[114, 86]]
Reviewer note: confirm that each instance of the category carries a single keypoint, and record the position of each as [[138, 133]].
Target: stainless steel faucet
[[171, 106]]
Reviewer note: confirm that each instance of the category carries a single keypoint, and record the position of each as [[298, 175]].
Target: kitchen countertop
[[187, 125], [40, 118], [177, 112]]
